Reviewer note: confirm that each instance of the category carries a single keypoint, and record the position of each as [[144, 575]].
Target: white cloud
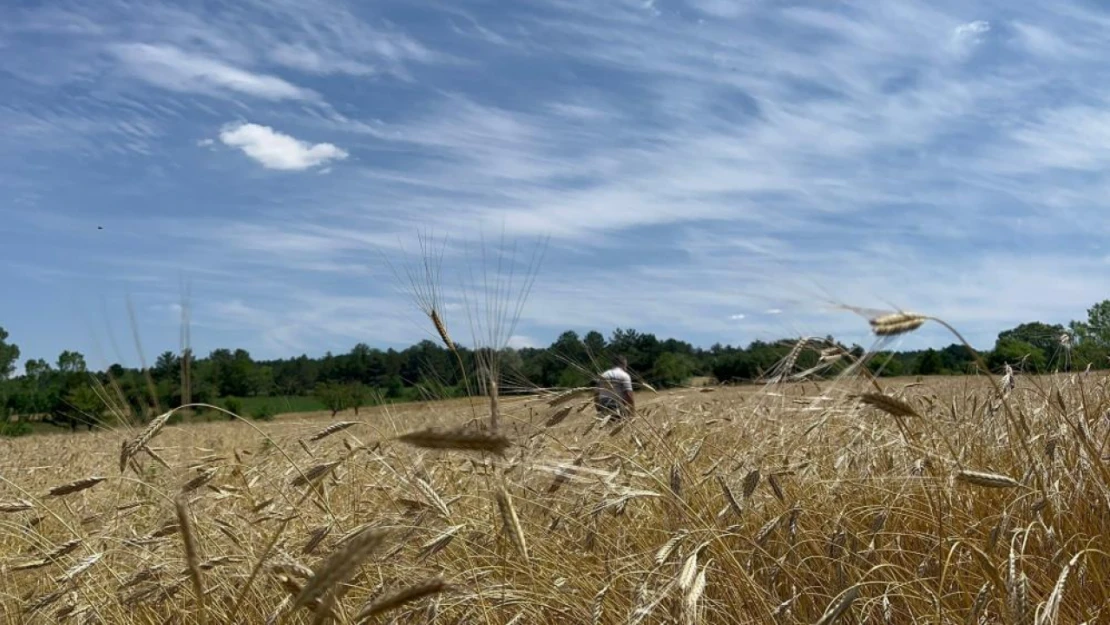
[[973, 29], [1044, 42], [737, 317], [306, 59], [719, 8], [174, 69], [967, 36], [275, 150]]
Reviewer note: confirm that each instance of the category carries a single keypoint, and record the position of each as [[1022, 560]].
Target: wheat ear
[[75, 486], [397, 599], [441, 329], [890, 405], [341, 565], [837, 609], [511, 521], [461, 439], [131, 448], [987, 480], [332, 429], [897, 323], [189, 538]]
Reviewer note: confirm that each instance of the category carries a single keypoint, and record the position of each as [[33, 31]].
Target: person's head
[[620, 361]]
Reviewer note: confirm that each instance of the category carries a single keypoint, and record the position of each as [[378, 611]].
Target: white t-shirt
[[614, 379]]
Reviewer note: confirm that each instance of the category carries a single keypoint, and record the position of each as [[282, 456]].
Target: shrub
[[232, 404], [13, 429], [263, 413]]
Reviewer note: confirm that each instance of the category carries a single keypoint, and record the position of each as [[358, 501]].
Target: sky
[[711, 170]]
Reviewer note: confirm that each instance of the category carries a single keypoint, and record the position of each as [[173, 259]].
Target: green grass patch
[[280, 404]]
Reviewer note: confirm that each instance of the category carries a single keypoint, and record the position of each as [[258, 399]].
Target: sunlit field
[[944, 501]]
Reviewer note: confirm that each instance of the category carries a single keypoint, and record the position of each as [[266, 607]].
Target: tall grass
[[962, 500], [493, 289]]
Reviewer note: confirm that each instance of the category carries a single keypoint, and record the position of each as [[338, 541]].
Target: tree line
[[66, 393]]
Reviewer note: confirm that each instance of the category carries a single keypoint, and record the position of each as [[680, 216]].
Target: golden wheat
[[987, 480], [667, 520], [401, 597], [897, 323]]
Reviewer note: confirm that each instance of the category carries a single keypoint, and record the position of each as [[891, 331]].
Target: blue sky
[[713, 170]]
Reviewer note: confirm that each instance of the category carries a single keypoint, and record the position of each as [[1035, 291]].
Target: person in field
[[613, 392]]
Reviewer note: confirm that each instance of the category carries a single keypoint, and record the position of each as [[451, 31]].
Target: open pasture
[[943, 501]]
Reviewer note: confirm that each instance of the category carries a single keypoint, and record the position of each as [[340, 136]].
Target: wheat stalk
[[404, 596], [79, 568], [890, 405], [188, 537], [332, 429], [129, 449], [75, 486], [668, 547], [439, 543], [773, 482], [751, 480], [200, 480], [460, 439], [558, 416], [987, 480], [511, 522], [729, 496], [315, 538], [341, 565], [8, 507], [314, 473], [693, 595], [598, 610], [1051, 608], [567, 395], [839, 607], [433, 497], [441, 329]]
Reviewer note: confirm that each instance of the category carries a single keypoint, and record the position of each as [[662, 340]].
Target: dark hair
[[620, 361]]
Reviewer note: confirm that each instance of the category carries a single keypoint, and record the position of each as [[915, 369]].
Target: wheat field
[[938, 501]]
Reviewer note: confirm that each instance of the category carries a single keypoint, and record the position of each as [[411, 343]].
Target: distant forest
[[67, 394]]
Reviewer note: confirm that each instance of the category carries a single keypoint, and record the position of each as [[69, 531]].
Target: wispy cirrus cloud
[[719, 160], [967, 36], [171, 68]]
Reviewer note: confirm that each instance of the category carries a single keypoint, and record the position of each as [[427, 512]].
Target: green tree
[[594, 343], [9, 355], [83, 406], [1096, 329], [886, 364], [71, 362], [356, 396], [672, 369], [232, 372], [1045, 337], [333, 396], [262, 380], [929, 363], [36, 368], [167, 366], [572, 377], [1018, 354]]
